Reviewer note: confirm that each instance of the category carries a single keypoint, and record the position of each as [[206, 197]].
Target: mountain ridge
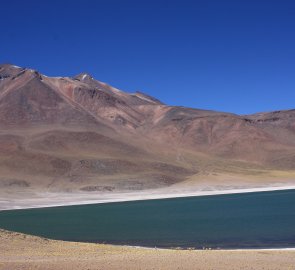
[[77, 133]]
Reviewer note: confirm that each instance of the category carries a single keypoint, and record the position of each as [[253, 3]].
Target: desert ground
[[197, 185], [19, 251]]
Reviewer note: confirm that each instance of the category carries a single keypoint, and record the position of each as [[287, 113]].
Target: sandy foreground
[[19, 251]]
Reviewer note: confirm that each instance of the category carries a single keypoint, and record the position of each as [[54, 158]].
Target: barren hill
[[75, 134]]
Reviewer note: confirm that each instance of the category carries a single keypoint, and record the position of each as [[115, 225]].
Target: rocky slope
[[66, 134]]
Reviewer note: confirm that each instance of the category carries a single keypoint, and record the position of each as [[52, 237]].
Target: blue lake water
[[249, 220]]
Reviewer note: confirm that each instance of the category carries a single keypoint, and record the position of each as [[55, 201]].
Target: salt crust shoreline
[[126, 197]]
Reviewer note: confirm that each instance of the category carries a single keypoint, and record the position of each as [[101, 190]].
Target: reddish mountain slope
[[79, 133]]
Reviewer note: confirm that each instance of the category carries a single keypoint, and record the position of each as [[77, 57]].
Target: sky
[[234, 56]]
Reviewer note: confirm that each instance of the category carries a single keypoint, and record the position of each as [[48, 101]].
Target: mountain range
[[79, 134]]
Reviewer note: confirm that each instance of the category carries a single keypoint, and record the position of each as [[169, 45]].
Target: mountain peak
[[8, 65], [83, 77], [9, 70]]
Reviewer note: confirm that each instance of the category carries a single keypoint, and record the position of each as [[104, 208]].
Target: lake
[[248, 220]]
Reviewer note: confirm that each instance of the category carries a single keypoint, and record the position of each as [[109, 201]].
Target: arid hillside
[[79, 134]]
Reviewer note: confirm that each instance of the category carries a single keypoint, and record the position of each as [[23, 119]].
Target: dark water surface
[[249, 220]]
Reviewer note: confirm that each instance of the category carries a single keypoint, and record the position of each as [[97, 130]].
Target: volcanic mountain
[[78, 134]]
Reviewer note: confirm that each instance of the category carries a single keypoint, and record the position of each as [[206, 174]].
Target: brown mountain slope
[[67, 134]]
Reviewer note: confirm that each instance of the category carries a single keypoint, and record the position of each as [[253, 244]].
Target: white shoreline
[[79, 198]]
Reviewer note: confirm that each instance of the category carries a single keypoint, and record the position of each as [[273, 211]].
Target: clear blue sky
[[236, 56]]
